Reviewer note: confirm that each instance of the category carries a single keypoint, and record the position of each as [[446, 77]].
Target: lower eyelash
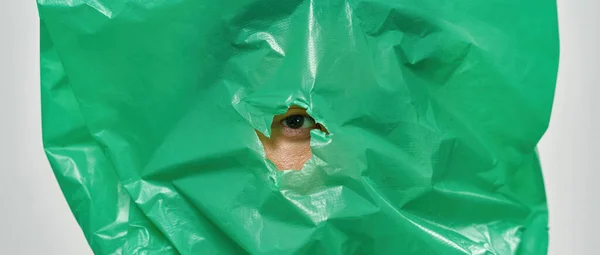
[[296, 133]]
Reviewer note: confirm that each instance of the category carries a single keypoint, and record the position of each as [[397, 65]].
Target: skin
[[289, 148]]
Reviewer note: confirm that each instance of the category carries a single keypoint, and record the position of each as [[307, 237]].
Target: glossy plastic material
[[434, 109]]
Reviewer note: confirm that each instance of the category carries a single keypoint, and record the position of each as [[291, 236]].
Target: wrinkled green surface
[[434, 109]]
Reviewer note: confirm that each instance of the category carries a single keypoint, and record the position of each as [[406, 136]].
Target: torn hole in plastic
[[288, 145]]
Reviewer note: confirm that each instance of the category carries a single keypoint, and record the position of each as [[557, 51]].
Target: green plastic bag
[[433, 108]]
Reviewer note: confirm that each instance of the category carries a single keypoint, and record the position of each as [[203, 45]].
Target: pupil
[[295, 121]]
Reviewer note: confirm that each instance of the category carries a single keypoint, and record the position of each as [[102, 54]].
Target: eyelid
[[294, 111]]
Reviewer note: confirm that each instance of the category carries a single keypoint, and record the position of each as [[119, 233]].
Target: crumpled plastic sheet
[[433, 108]]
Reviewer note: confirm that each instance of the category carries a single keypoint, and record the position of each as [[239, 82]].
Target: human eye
[[299, 121]]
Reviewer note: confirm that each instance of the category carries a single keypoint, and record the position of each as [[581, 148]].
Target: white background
[[35, 219]]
